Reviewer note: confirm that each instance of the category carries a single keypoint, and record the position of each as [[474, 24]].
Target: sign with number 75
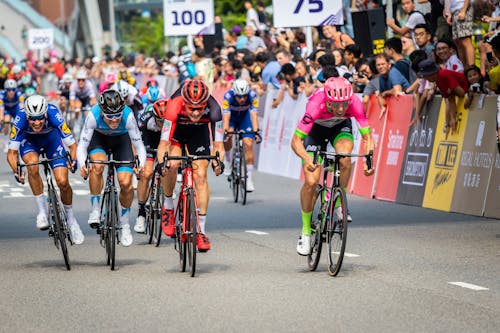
[[300, 13]]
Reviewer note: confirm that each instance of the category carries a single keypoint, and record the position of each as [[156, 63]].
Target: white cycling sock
[[69, 214], [203, 221], [95, 202], [249, 170], [124, 216], [41, 201], [168, 203]]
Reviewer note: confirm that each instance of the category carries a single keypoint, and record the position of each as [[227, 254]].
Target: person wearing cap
[[451, 84]]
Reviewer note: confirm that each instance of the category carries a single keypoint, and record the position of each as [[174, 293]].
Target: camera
[[281, 76], [476, 88], [489, 56], [360, 75]]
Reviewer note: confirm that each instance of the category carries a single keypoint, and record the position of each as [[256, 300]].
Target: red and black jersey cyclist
[[193, 119], [150, 124]]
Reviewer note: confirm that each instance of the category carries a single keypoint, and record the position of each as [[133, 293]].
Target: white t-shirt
[[252, 17]]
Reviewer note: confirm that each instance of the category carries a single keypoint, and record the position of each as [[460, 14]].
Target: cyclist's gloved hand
[[218, 167], [258, 138], [19, 178]]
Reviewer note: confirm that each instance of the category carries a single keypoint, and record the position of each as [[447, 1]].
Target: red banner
[[392, 148], [360, 184]]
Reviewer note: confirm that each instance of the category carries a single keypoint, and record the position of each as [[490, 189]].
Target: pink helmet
[[338, 89], [110, 77]]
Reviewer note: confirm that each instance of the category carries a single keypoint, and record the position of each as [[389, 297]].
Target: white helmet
[[16, 69], [35, 106], [122, 87], [241, 87], [81, 74], [10, 84], [67, 78]]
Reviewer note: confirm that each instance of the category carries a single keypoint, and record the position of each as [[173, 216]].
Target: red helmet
[[338, 89], [195, 92], [160, 108]]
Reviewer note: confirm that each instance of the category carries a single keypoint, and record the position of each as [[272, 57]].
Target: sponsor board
[[445, 160]]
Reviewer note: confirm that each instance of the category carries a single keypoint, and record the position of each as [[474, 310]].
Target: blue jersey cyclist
[[11, 99], [240, 112], [111, 127], [40, 125]]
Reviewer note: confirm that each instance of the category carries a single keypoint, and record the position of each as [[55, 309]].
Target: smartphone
[[489, 56]]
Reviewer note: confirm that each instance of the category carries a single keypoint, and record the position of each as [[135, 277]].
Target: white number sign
[[39, 39], [302, 13], [188, 17]]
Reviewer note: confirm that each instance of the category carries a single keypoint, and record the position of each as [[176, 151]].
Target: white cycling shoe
[[94, 219], [304, 245], [140, 224], [126, 235], [250, 185], [227, 169], [42, 222], [76, 233], [338, 213]]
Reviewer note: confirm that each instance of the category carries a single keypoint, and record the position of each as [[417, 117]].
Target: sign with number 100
[[188, 17], [300, 13]]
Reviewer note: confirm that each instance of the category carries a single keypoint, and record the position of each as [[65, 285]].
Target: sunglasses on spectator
[[113, 116], [35, 118], [81, 80]]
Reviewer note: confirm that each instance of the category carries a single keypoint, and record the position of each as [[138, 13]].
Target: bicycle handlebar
[[241, 132], [329, 154], [111, 162], [191, 158]]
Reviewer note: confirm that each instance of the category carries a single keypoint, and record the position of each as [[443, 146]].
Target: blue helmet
[[153, 94]]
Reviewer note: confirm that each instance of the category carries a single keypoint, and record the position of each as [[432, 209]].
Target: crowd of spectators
[[436, 49]]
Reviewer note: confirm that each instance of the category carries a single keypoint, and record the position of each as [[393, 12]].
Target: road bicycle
[[186, 212], [238, 177], [58, 228], [155, 203], [329, 216], [109, 222]]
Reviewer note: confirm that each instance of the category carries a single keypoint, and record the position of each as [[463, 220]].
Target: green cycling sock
[[306, 223]]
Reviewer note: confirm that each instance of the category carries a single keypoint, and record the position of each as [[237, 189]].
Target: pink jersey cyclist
[[317, 113], [327, 119]]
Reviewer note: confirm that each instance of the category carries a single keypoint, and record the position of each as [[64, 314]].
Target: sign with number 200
[[188, 17], [299, 13]]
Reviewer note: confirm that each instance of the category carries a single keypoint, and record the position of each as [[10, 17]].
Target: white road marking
[[468, 285], [218, 198], [256, 232], [349, 255], [16, 195]]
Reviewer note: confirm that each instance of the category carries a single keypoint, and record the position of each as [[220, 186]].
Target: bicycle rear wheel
[[337, 231], [235, 177], [317, 226], [59, 227], [192, 225], [243, 177]]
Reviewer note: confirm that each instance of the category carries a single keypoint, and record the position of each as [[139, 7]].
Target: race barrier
[[417, 165]]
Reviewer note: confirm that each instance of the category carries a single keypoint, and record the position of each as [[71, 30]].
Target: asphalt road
[[398, 276]]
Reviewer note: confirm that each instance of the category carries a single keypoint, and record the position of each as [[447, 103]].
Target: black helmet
[[111, 102]]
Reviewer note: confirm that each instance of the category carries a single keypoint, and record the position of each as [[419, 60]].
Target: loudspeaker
[[369, 30]]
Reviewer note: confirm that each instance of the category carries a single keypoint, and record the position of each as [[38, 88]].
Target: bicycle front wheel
[[150, 214], [160, 198], [337, 230], [180, 236], [192, 226], [59, 227], [243, 177], [235, 177], [317, 226]]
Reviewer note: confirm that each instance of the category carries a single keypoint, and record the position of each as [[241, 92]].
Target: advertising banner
[[477, 158], [445, 160], [188, 17], [418, 153], [360, 184], [393, 147], [302, 13], [492, 206]]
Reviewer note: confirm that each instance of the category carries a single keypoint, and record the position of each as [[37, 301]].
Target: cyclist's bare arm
[[254, 116], [368, 146], [300, 150]]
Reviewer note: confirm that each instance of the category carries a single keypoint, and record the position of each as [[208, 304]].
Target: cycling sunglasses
[[10, 89], [240, 96], [196, 108], [338, 105], [35, 118], [112, 116]]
